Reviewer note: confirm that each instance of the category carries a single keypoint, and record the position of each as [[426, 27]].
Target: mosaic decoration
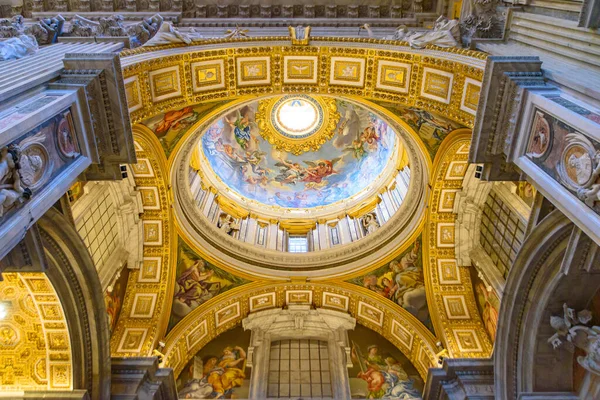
[[445, 84], [218, 370], [169, 127], [222, 78], [488, 303], [431, 127], [113, 297], [197, 282], [379, 370], [402, 282], [142, 315], [567, 155], [341, 168]]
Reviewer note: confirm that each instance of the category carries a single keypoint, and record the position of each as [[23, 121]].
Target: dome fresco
[[355, 155]]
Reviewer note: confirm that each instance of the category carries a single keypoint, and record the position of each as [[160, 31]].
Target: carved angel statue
[[228, 224], [11, 27], [572, 327], [445, 33], [46, 30], [11, 188], [590, 193], [369, 222], [581, 170], [17, 47]]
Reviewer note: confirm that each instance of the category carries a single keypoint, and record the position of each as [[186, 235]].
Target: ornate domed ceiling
[[298, 151]]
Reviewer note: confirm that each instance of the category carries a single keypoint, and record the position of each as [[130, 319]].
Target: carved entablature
[[29, 163], [305, 11], [501, 103], [100, 77]]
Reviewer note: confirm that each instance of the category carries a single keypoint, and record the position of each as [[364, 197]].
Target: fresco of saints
[[193, 287], [220, 376], [113, 306], [386, 379], [176, 120], [488, 304], [402, 282]]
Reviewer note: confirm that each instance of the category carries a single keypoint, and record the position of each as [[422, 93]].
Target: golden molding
[[135, 336], [326, 129], [339, 70], [211, 41], [448, 286], [397, 325]]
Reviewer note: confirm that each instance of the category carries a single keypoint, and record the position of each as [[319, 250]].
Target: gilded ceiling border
[[429, 79], [149, 294], [226, 311], [450, 297]]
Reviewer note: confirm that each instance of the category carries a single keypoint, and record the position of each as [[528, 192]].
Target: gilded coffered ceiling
[[35, 347]]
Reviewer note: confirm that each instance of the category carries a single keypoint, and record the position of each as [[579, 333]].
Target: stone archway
[[557, 265], [72, 272]]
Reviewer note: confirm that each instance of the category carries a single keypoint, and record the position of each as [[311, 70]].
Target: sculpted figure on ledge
[[11, 188], [139, 33], [571, 330], [369, 222], [445, 33]]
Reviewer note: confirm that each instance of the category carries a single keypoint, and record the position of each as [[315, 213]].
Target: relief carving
[[571, 330], [370, 223], [580, 168], [12, 189]]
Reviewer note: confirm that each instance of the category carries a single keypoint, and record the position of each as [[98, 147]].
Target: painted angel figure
[[241, 128], [357, 148], [290, 172], [318, 170]]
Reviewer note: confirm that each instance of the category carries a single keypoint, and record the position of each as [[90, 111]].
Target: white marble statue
[[445, 33], [17, 47], [168, 34], [139, 33], [369, 222], [572, 331], [11, 188], [228, 224]]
